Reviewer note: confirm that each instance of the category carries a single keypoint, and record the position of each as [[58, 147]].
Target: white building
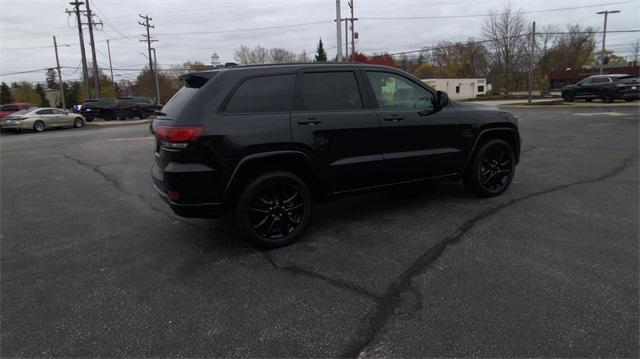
[[458, 89]]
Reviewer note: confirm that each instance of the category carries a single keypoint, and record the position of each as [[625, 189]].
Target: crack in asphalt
[[299, 270], [116, 184], [375, 320]]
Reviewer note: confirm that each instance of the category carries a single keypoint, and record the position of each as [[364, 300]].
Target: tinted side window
[[600, 80], [396, 92], [45, 112], [263, 94], [331, 91]]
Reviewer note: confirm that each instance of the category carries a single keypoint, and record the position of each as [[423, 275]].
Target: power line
[[489, 14]]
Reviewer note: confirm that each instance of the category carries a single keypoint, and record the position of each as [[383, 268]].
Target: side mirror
[[66, 112], [442, 99]]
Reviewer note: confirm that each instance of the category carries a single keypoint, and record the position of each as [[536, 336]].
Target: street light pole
[[604, 35], [55, 45]]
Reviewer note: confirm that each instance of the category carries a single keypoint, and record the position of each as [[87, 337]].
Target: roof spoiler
[[197, 79]]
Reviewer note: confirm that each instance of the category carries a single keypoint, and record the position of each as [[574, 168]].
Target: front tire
[[274, 209], [567, 97], [39, 126], [78, 123], [492, 169]]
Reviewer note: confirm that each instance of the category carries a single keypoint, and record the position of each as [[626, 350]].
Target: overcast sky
[[194, 29]]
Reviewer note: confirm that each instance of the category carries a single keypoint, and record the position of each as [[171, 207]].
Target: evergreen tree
[[5, 94], [44, 102], [321, 55]]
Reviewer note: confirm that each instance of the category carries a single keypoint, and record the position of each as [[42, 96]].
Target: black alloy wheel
[[492, 169], [274, 209]]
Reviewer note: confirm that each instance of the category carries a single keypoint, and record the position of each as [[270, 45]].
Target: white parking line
[[600, 114], [131, 138]]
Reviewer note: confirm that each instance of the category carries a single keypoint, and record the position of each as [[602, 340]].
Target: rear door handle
[[394, 118], [309, 122]]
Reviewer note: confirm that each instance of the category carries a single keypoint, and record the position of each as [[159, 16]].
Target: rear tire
[[567, 98], [274, 209], [491, 170], [39, 126], [589, 99]]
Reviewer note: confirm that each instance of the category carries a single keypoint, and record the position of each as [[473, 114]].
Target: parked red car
[[10, 108]]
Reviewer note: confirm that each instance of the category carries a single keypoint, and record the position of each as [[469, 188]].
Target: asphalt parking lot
[[94, 264]]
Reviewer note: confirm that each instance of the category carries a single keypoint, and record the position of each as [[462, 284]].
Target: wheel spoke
[[294, 207], [259, 210], [273, 221], [295, 194], [268, 203], [262, 222]]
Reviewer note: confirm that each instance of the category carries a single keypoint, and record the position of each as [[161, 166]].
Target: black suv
[[267, 141], [135, 106], [98, 108], [605, 87]]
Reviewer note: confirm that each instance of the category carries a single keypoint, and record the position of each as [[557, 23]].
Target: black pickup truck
[[122, 108], [98, 108], [135, 106]]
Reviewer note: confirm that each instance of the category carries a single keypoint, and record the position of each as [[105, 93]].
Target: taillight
[[177, 137]]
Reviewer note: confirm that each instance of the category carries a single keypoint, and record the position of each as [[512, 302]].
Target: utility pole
[[346, 39], [85, 74], [353, 31], [531, 55], [148, 37], [338, 29], [113, 83], [55, 45], [90, 23], [604, 35], [155, 61]]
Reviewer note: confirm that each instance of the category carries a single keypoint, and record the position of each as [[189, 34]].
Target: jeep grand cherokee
[[265, 142]]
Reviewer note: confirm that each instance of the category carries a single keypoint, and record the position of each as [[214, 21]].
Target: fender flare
[[256, 156]]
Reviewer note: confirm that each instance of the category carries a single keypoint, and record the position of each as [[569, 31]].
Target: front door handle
[[394, 118]]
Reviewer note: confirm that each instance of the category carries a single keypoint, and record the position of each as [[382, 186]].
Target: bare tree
[[247, 56], [279, 55], [506, 32], [303, 57]]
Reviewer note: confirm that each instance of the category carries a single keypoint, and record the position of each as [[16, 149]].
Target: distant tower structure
[[215, 60]]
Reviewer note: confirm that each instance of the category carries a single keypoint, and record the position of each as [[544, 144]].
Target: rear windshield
[[628, 79], [24, 112], [179, 100]]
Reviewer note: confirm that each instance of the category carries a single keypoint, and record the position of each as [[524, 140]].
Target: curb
[[103, 123]]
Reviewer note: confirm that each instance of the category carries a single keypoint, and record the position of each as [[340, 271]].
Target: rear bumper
[[198, 194], [193, 210]]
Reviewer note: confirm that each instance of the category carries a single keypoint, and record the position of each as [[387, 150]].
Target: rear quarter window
[[263, 94]]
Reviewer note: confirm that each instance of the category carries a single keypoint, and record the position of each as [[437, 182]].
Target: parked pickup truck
[[135, 106]]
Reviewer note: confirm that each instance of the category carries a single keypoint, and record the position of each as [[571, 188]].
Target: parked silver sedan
[[41, 118]]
